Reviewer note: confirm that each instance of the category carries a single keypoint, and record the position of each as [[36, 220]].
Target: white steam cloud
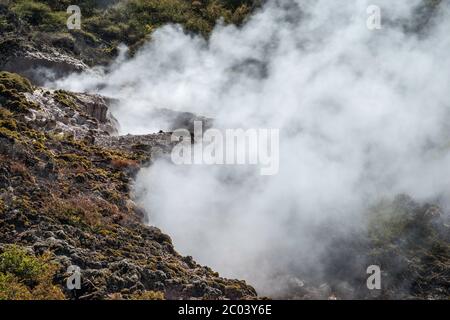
[[362, 115]]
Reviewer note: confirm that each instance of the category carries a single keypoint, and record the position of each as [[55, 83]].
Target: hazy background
[[363, 115]]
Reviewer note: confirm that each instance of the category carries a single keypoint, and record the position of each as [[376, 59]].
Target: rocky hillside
[[65, 200], [34, 33], [65, 182]]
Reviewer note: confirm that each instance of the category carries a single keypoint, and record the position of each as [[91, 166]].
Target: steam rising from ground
[[362, 115]]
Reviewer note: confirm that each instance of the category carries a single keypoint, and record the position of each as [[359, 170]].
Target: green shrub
[[14, 81], [40, 15], [12, 289], [24, 276], [54, 22], [33, 12], [15, 260], [4, 25]]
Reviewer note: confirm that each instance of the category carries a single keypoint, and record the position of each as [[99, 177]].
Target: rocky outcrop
[[180, 120], [77, 114], [98, 107], [152, 145], [94, 105], [38, 63]]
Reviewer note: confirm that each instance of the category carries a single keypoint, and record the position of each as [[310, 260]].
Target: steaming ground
[[363, 115]]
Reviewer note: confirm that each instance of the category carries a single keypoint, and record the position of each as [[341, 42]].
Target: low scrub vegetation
[[104, 26], [24, 276]]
